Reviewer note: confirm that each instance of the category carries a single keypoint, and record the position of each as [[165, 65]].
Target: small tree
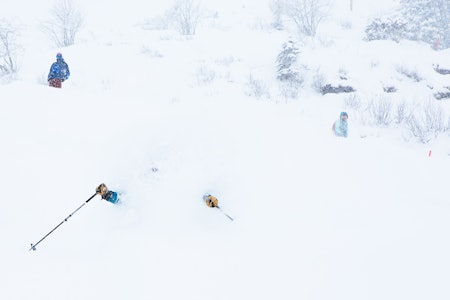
[[9, 48], [186, 15], [286, 61], [65, 23], [288, 72]]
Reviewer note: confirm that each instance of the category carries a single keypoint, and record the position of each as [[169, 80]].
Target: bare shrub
[[9, 47], [353, 102], [186, 15], [318, 81], [380, 110], [402, 112], [257, 88], [205, 75], [306, 14], [290, 89], [276, 7], [427, 123], [64, 24], [147, 51]]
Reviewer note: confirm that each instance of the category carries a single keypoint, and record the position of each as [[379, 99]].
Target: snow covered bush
[[9, 47], [427, 123], [386, 29], [420, 20], [428, 21], [64, 24]]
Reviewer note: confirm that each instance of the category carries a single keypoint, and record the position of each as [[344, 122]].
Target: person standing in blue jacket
[[340, 127], [59, 71]]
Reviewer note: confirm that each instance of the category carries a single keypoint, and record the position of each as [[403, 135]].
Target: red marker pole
[[429, 153]]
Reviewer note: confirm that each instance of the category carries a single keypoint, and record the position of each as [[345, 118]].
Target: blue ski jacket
[[59, 70]]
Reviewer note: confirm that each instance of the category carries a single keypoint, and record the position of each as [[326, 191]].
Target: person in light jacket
[[340, 126]]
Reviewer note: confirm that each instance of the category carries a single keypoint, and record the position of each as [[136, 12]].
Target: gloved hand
[[212, 201], [102, 190]]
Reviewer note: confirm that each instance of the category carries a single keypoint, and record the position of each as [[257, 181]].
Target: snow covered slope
[[315, 217]]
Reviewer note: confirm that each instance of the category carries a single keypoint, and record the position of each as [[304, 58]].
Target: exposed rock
[[390, 89], [442, 95], [440, 70], [336, 89]]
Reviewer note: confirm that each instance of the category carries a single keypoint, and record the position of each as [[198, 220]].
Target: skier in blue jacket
[[106, 194], [59, 71], [340, 127]]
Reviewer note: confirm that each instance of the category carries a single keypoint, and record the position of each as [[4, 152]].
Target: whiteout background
[[316, 217]]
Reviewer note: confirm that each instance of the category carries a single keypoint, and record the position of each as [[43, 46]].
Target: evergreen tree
[[286, 61], [288, 70], [428, 20]]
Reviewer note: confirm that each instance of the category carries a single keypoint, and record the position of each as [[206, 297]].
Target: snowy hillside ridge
[[164, 118]]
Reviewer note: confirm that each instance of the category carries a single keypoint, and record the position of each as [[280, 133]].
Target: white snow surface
[[315, 217]]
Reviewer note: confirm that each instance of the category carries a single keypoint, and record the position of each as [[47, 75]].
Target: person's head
[[344, 116], [59, 56]]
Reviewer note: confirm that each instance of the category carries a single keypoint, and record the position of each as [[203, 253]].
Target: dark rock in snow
[[336, 89]]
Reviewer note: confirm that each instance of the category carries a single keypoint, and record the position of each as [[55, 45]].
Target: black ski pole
[[33, 246], [225, 213]]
